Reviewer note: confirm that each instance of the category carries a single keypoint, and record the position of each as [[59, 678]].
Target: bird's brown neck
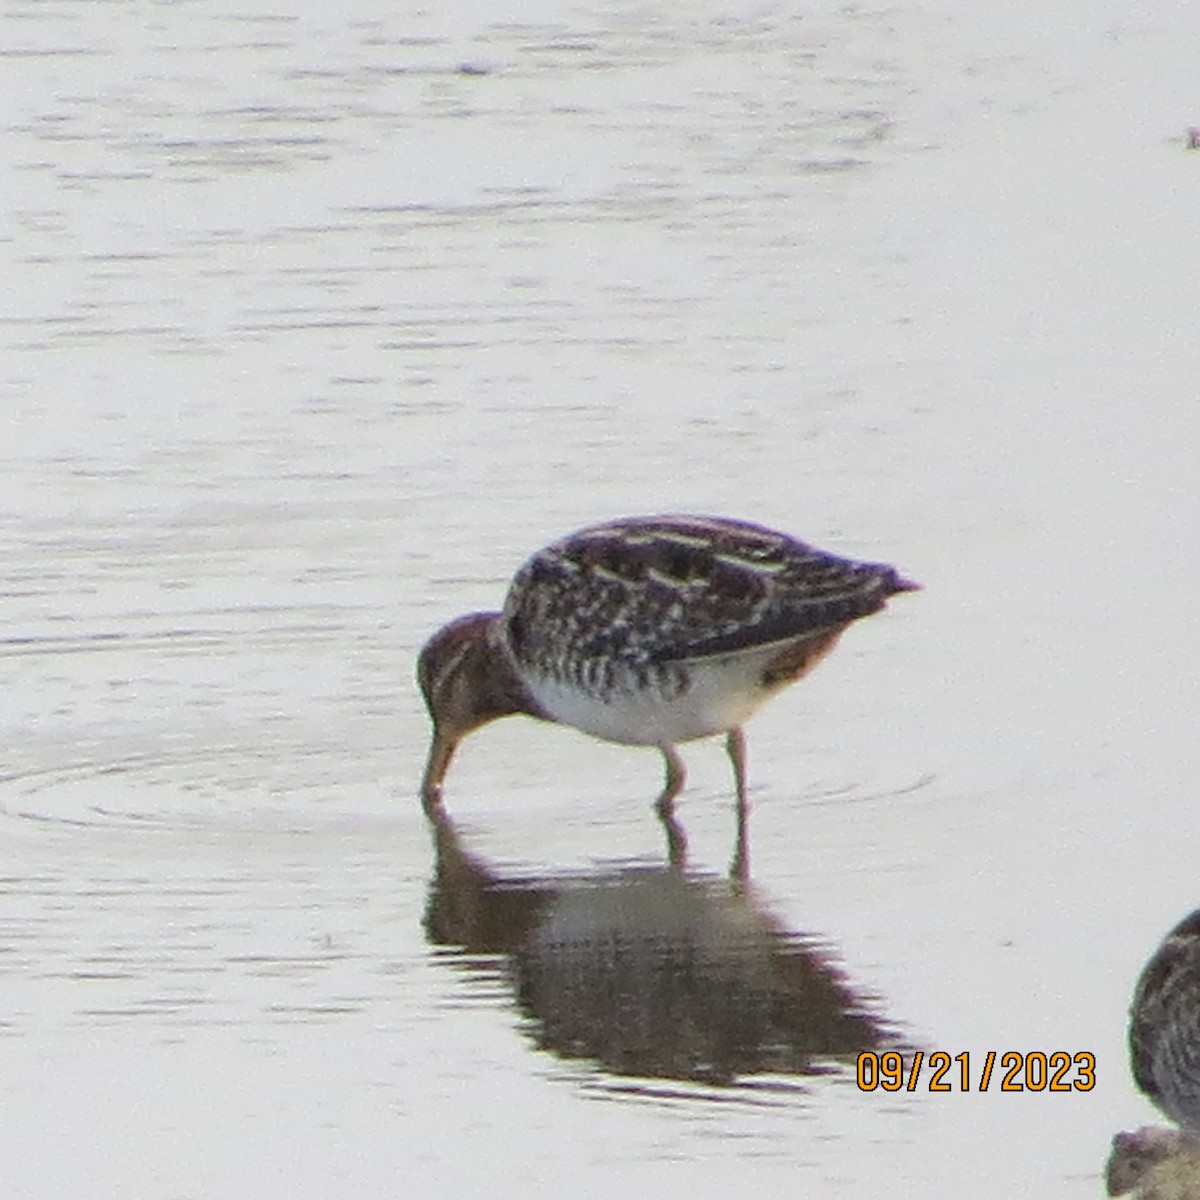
[[497, 688]]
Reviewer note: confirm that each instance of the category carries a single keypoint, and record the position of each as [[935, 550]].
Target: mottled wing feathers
[[646, 591], [1164, 1028]]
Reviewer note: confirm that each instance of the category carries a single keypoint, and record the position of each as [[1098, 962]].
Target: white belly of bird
[[724, 692]]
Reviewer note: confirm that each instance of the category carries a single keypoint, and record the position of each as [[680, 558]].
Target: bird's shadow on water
[[654, 971]]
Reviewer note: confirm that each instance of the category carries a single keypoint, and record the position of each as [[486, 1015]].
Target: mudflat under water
[[315, 323]]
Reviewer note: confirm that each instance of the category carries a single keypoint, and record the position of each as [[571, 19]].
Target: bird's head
[[467, 680]]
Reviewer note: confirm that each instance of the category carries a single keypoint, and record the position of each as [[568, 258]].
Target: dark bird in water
[[1164, 1053], [1164, 1026]]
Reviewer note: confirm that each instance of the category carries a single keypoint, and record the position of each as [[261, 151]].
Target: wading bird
[[648, 631], [1164, 1053]]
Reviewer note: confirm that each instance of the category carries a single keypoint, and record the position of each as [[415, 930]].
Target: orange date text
[[1007, 1071]]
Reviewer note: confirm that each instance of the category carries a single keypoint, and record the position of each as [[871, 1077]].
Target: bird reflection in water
[[1157, 1163], [653, 971]]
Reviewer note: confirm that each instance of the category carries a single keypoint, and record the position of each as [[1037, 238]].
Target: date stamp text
[[1010, 1071]]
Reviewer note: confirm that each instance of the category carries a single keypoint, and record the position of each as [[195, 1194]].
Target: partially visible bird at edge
[[1157, 1162], [1164, 1026], [647, 631]]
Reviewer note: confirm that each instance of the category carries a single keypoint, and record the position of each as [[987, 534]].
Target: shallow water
[[316, 324]]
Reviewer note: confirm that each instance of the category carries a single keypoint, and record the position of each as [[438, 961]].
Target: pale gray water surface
[[315, 321]]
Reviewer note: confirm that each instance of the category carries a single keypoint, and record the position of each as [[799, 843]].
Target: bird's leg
[[673, 783], [665, 807], [735, 747], [677, 847]]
